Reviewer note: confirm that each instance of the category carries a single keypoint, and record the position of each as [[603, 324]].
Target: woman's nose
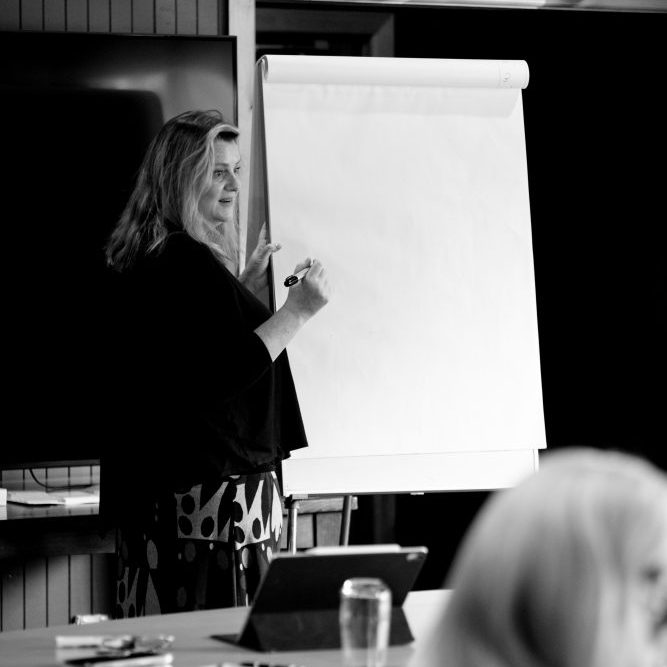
[[232, 183]]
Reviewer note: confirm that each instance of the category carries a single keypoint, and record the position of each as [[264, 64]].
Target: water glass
[[365, 619]]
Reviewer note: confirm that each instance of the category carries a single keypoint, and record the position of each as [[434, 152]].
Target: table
[[193, 646]]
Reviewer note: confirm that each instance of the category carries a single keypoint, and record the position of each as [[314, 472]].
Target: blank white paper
[[408, 179]]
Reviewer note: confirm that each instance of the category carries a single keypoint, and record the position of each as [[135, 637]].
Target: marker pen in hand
[[294, 278]]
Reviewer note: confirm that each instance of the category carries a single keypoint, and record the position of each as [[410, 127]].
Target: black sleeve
[[202, 322]]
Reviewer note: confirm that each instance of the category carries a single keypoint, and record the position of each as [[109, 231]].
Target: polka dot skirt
[[205, 547]]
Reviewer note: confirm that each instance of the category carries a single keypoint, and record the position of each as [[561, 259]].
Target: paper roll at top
[[345, 70]]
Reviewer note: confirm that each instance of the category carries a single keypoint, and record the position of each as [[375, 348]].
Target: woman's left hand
[[255, 276]]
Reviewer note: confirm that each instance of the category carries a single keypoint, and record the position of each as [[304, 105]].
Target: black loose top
[[195, 394]]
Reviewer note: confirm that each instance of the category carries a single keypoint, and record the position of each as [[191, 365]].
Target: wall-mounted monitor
[[77, 112]]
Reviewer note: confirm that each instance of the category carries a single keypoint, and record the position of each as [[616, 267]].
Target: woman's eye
[[237, 170], [218, 173]]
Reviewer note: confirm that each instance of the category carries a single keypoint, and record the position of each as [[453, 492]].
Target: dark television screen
[[77, 112]]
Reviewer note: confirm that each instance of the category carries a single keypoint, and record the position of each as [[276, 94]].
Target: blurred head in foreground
[[567, 569]]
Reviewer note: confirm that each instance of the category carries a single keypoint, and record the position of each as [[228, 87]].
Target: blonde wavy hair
[[554, 572], [177, 166]]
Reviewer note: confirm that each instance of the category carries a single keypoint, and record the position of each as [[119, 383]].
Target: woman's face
[[217, 202], [656, 604], [648, 615]]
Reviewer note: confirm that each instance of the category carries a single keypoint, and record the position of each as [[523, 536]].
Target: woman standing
[[204, 405]]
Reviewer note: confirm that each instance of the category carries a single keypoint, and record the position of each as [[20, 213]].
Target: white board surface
[[408, 179]]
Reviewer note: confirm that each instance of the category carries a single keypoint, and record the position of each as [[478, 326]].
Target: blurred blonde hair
[[177, 166], [548, 573]]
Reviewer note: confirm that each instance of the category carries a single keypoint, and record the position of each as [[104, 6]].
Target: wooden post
[[241, 15], [293, 510]]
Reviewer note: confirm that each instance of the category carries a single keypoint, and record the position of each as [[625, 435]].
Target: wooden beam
[[242, 24]]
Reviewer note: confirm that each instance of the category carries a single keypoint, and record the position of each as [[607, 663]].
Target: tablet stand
[[308, 630]]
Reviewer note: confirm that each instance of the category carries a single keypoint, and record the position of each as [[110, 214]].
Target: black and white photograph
[[335, 333]]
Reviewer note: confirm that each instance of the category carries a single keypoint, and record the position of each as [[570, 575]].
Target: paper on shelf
[[73, 497]]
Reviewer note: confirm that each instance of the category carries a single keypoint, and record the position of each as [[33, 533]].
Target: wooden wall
[[164, 17]]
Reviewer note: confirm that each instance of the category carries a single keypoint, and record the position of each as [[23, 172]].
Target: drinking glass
[[365, 619]]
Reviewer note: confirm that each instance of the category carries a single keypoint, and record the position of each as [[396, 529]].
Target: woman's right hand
[[304, 299], [312, 292]]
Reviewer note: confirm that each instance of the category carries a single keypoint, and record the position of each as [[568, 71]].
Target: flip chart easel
[[408, 179]]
